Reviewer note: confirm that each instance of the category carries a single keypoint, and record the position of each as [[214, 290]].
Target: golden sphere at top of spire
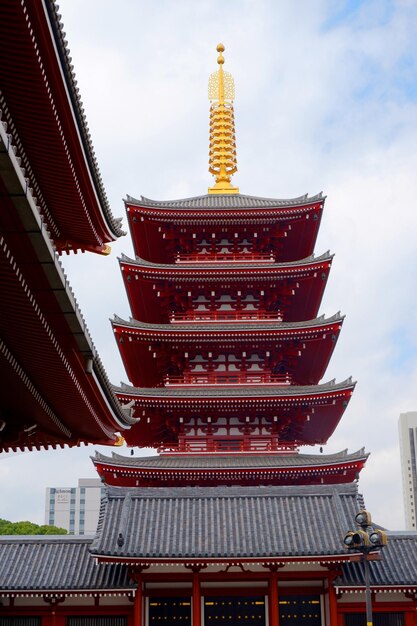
[[220, 49]]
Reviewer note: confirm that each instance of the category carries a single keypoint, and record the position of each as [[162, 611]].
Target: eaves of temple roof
[[53, 342], [236, 462], [233, 393], [213, 268], [226, 201], [211, 328], [50, 135]]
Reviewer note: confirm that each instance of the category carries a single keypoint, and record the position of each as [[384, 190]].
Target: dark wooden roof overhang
[[299, 223], [147, 349], [40, 105], [54, 388], [304, 415], [149, 286]]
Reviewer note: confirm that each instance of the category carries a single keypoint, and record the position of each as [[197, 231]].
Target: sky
[[326, 100]]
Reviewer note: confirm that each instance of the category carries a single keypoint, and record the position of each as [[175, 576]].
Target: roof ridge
[[232, 491]]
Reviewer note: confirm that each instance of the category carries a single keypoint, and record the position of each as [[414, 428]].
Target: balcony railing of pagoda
[[201, 445], [225, 257], [225, 316], [227, 378]]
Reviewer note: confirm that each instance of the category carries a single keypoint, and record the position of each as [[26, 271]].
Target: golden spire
[[222, 153]]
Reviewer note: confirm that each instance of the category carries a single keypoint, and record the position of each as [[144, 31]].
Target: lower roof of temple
[[220, 523], [398, 566], [61, 562], [36, 565]]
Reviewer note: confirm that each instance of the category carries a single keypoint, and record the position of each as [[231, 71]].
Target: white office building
[[407, 426], [74, 508]]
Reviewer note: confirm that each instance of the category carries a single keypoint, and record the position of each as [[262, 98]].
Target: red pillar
[[196, 600], [332, 601], [273, 606], [138, 605]]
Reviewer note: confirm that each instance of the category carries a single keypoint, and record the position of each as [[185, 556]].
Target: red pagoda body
[[225, 349]]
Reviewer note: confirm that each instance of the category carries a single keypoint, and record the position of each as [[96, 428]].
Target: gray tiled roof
[[47, 563], [225, 522], [259, 265], [229, 392], [231, 326], [397, 567], [238, 461], [226, 201], [55, 562]]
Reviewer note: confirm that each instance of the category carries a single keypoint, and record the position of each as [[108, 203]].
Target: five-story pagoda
[[225, 350], [225, 353]]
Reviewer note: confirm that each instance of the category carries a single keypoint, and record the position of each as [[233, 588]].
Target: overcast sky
[[326, 99]]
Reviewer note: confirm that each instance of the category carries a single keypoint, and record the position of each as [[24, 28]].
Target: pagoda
[[226, 349], [225, 353]]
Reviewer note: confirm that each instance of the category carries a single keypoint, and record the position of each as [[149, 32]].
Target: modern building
[[75, 508], [225, 353], [407, 427]]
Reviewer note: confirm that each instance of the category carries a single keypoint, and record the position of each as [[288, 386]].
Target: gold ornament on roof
[[222, 152]]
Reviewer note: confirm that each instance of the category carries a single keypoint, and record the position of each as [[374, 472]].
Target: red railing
[[225, 316], [224, 257], [227, 378], [205, 446]]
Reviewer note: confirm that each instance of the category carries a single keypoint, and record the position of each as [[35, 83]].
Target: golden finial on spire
[[222, 153]]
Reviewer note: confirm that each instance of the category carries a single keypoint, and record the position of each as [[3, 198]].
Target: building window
[[300, 610], [234, 610], [169, 609]]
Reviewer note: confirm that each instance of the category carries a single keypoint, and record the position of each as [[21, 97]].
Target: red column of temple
[[332, 601], [138, 605], [196, 600], [273, 606]]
